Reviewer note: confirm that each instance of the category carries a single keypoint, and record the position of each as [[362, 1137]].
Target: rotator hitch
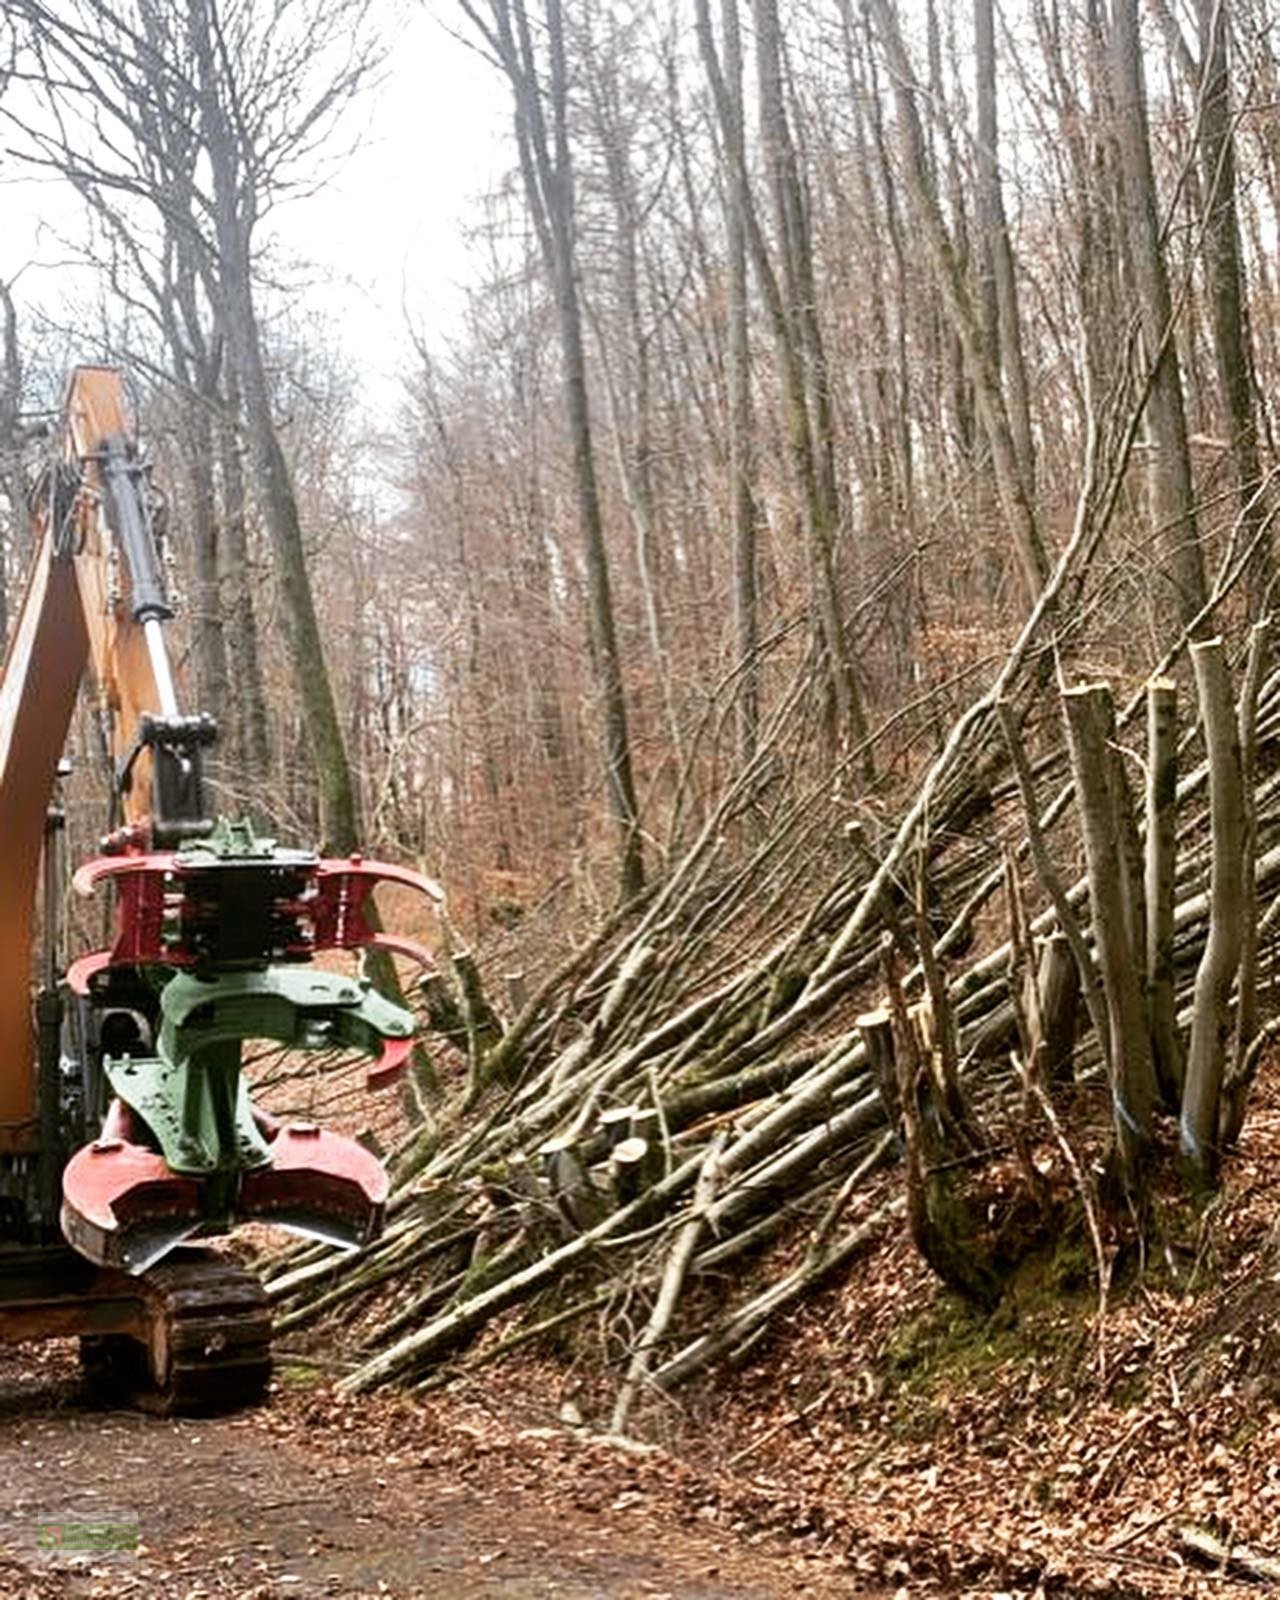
[[216, 934]]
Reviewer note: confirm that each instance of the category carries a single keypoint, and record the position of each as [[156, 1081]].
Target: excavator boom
[[217, 929]]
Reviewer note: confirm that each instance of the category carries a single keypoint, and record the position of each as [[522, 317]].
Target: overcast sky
[[384, 236], [389, 230]]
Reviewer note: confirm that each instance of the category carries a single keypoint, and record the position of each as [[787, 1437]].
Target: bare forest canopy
[[812, 615]]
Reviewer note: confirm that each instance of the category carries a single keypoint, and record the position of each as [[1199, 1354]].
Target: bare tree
[[254, 96], [955, 291], [809, 392], [546, 165], [11, 483], [239, 142], [1225, 275], [742, 497], [999, 284], [1171, 490], [246, 683]]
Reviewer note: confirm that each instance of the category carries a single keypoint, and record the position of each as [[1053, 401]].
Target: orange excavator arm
[[42, 672], [75, 613], [124, 665], [214, 923]]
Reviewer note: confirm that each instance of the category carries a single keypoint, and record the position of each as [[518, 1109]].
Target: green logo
[[68, 1537]]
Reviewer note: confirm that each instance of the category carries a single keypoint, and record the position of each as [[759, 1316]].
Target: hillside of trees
[[812, 614]]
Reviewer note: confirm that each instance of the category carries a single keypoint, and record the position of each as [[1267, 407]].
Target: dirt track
[[293, 1501]]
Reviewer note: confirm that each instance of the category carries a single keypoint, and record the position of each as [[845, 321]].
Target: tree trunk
[[1089, 716], [1160, 882], [547, 170], [630, 397], [11, 486], [248, 694], [210, 642], [966, 322], [1247, 1031], [798, 343], [1211, 1016], [1058, 1006], [809, 394], [1226, 286], [999, 281], [742, 500], [338, 811], [1170, 486]]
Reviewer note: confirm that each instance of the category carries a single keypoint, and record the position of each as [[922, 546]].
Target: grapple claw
[[234, 899], [124, 1206], [319, 1184], [390, 1064], [82, 971]]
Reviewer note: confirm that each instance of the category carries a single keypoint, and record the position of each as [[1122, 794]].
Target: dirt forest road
[[314, 1497]]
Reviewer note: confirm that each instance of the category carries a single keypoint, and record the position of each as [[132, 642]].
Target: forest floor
[[1057, 1446], [902, 1443], [316, 1496], [884, 1441]]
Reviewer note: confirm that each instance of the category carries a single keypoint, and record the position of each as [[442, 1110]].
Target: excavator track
[[208, 1348]]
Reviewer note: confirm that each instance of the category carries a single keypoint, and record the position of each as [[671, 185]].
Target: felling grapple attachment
[[226, 928], [137, 1049]]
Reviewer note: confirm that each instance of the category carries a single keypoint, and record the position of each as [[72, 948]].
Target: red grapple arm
[[340, 912], [164, 902]]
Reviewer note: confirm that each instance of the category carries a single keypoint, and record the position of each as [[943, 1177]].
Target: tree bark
[[1211, 1016], [1089, 715], [547, 170], [1226, 286], [1170, 487]]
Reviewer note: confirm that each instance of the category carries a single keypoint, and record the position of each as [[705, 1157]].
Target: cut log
[[1160, 882], [634, 1166], [1058, 992], [616, 1124], [673, 1277], [577, 1199], [1211, 1016], [876, 1028]]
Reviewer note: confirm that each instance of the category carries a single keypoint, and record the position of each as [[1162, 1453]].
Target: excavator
[[129, 1133]]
